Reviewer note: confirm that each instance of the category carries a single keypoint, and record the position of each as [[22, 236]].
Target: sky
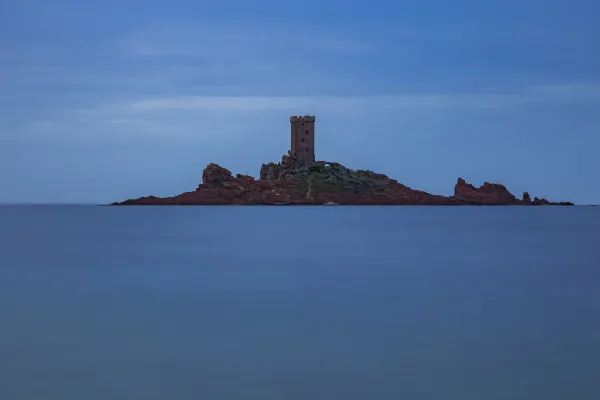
[[105, 101]]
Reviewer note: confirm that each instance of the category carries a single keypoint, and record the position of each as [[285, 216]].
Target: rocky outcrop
[[215, 177], [495, 194], [540, 202], [488, 194], [325, 183], [215, 174], [289, 168]]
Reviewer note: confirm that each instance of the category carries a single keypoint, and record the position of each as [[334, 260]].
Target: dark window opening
[[302, 140], [302, 124], [307, 131]]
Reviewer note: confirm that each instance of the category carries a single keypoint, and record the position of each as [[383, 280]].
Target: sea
[[416, 303]]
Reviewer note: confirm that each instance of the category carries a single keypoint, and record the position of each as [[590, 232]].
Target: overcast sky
[[103, 101]]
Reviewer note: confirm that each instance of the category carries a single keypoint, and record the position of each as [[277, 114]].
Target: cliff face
[[294, 183]]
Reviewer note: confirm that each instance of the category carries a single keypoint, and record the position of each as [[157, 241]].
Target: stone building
[[303, 139]]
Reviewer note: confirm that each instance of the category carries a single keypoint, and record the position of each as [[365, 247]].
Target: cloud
[[169, 79], [535, 95], [235, 41], [187, 59], [217, 118]]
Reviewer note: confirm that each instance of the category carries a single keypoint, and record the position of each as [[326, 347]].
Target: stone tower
[[303, 138]]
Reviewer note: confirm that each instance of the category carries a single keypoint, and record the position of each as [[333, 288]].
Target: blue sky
[[103, 101]]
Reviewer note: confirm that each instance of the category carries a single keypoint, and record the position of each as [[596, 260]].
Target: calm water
[[299, 303]]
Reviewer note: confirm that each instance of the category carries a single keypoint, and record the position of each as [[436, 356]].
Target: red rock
[[215, 174], [487, 194], [540, 202], [220, 187]]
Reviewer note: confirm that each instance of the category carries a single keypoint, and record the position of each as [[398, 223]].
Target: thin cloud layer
[[537, 95], [232, 41]]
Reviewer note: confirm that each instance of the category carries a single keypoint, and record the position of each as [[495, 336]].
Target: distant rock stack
[[488, 194]]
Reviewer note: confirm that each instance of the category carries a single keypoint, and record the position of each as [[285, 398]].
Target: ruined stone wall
[[303, 138]]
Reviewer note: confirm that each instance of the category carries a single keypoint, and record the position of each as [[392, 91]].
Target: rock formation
[[488, 194], [301, 180], [291, 182]]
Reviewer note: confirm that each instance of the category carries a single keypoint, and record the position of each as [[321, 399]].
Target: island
[[299, 179]]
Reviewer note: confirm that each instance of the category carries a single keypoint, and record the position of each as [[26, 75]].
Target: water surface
[[460, 303]]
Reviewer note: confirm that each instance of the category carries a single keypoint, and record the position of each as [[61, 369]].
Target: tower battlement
[[300, 118]]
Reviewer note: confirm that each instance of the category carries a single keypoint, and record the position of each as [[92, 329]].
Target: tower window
[[302, 140], [307, 131], [302, 124]]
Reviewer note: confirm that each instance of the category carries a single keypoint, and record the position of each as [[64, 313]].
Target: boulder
[[216, 175]]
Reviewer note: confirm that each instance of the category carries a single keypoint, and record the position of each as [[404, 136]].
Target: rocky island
[[301, 180]]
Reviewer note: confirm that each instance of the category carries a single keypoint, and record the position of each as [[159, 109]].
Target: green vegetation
[[333, 177]]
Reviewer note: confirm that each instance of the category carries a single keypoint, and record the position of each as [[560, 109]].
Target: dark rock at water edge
[[293, 182]]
